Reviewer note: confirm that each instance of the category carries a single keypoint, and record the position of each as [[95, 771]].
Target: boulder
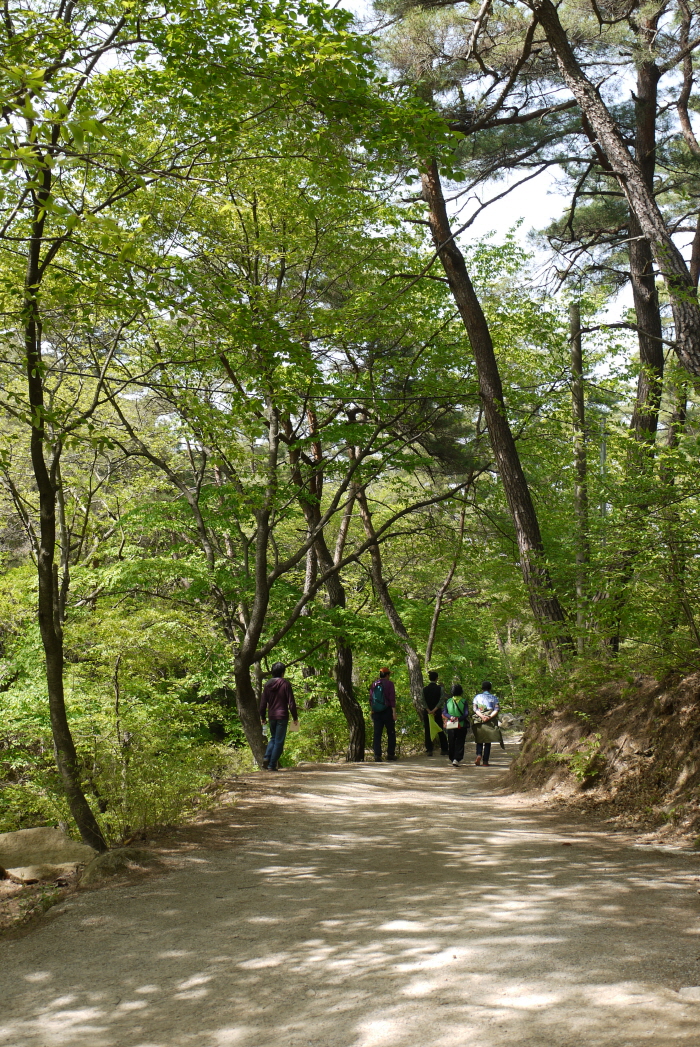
[[117, 862], [31, 855]]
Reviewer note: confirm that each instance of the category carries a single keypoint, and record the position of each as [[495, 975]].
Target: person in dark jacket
[[433, 701], [456, 718], [384, 717], [276, 704]]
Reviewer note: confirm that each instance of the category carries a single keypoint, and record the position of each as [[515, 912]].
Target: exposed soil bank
[[404, 905], [630, 751]]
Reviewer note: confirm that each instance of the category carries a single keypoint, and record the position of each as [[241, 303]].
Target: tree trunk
[[248, 709], [672, 527], [308, 671], [646, 300], [342, 670], [668, 258], [578, 410], [351, 708], [415, 672], [49, 598], [245, 659], [443, 589], [546, 608], [504, 658], [645, 418]]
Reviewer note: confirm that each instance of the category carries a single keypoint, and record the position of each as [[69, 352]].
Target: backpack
[[377, 702]]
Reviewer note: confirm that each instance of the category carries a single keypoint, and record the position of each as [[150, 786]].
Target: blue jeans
[[278, 732], [486, 747]]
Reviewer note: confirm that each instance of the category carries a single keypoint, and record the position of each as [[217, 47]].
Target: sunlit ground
[[375, 906]]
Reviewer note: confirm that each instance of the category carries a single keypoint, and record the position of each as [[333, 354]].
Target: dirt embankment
[[630, 750]]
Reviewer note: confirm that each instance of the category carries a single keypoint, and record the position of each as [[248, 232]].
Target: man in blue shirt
[[486, 709]]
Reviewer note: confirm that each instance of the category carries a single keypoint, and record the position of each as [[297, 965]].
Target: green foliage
[[584, 764], [241, 328]]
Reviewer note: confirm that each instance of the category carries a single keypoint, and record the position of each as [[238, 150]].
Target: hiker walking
[[456, 719], [485, 723], [382, 701], [433, 696], [277, 702]]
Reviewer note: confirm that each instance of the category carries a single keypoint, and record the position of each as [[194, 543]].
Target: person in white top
[[486, 709]]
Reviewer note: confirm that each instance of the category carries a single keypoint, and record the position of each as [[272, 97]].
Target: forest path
[[392, 905]]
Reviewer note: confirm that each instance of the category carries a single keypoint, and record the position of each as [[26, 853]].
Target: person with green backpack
[[456, 719], [382, 703]]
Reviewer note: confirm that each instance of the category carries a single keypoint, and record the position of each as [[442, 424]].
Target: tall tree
[[545, 605], [633, 173]]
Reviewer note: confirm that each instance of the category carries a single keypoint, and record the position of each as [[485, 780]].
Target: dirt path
[[405, 905]]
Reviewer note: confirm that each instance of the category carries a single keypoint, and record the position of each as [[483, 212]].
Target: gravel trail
[[392, 905]]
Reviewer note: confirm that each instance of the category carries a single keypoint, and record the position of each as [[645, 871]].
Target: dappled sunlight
[[363, 914]]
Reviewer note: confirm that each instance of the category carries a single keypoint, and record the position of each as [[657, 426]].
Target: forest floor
[[395, 905]]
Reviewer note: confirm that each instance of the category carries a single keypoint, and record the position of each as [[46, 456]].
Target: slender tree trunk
[[49, 598], [310, 502], [245, 659], [546, 608], [646, 300], [668, 258], [504, 656], [342, 671], [310, 575], [415, 672], [578, 410], [673, 532], [645, 417], [443, 589]]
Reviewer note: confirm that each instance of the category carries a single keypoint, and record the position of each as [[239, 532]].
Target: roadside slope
[[629, 750]]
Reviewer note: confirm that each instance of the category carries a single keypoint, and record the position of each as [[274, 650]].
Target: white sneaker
[[455, 763]]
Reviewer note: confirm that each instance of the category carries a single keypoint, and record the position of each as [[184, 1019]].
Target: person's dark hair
[[278, 669], [457, 691], [432, 675], [486, 685]]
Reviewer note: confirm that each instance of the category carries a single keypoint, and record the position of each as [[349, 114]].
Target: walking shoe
[[485, 763], [265, 764], [273, 768], [430, 753], [478, 761], [455, 763]]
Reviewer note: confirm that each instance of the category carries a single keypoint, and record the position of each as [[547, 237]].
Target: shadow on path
[[402, 905]]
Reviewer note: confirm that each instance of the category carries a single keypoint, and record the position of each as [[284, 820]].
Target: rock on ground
[[41, 854]]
